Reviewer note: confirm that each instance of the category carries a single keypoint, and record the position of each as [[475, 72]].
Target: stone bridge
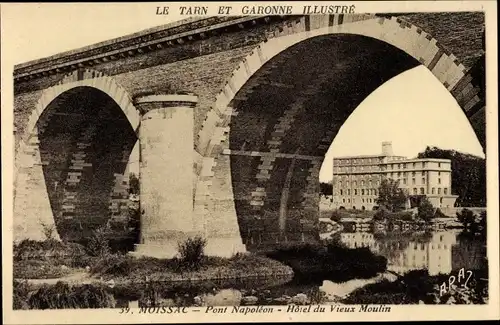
[[233, 116]]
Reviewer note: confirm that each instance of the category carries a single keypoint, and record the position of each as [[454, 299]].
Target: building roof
[[361, 156], [394, 161]]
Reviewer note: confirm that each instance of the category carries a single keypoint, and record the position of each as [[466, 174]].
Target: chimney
[[387, 148]]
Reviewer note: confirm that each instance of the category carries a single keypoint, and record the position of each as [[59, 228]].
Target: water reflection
[[438, 252]]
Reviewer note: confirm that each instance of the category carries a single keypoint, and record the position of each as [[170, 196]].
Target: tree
[[468, 175], [391, 196], [326, 188], [381, 214], [467, 218], [425, 210]]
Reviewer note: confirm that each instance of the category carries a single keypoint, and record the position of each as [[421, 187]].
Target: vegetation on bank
[[130, 269], [54, 259], [473, 225], [418, 287], [48, 259], [61, 296]]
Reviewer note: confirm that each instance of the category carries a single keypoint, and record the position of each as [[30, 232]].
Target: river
[[439, 252]]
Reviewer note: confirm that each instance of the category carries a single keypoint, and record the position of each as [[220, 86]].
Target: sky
[[412, 110]]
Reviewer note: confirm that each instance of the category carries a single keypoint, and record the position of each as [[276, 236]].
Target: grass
[[36, 269], [53, 259], [131, 269], [61, 296], [48, 259]]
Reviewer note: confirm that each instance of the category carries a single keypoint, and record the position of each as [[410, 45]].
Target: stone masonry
[[233, 116]]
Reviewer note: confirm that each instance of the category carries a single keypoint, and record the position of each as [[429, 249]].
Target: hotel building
[[356, 179]]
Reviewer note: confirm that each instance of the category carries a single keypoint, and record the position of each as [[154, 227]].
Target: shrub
[[49, 250], [116, 265], [425, 210], [62, 295], [98, 244], [48, 231], [401, 216], [20, 295], [381, 214], [192, 252], [336, 217], [467, 218]]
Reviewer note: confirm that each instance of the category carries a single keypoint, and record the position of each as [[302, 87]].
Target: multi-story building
[[356, 179]]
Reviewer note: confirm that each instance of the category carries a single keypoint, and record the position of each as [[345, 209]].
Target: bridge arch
[[262, 172], [54, 164]]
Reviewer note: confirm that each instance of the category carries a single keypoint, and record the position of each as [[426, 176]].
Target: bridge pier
[[166, 173]]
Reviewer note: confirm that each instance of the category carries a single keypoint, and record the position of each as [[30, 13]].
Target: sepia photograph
[[250, 160]]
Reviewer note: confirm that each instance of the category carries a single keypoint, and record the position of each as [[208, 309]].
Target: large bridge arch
[[58, 155], [268, 176]]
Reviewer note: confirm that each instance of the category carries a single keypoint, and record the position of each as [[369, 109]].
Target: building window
[[414, 165], [375, 192], [439, 180], [354, 183], [404, 181], [413, 174], [341, 192], [348, 191], [423, 180], [415, 191], [439, 165], [370, 182], [362, 192], [363, 200], [432, 191], [399, 174], [445, 190], [362, 183], [343, 200], [355, 192], [439, 173], [422, 191], [348, 200], [424, 164], [439, 190], [413, 180]]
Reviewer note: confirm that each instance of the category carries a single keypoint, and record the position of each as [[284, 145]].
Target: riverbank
[[51, 259], [418, 287], [124, 269]]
